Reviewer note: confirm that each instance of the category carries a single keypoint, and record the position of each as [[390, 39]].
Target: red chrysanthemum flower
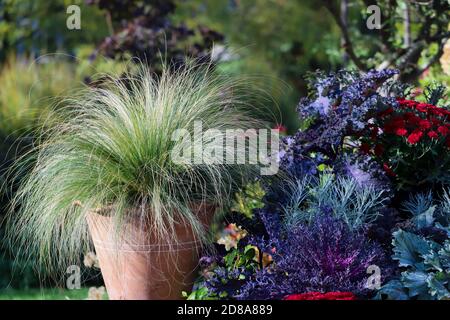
[[443, 130], [386, 112], [388, 170], [433, 135], [401, 132], [412, 119], [415, 137], [425, 124], [321, 296]]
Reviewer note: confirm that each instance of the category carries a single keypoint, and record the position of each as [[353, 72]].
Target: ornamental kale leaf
[[340, 106], [423, 253], [323, 256]]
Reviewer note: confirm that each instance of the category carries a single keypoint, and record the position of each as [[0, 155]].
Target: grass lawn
[[43, 294]]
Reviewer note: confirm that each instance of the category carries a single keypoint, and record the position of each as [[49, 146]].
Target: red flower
[[435, 122], [388, 170], [425, 124], [412, 119], [321, 296], [281, 128], [386, 112], [415, 137], [374, 133], [422, 107], [395, 123], [433, 135], [401, 132], [443, 130]]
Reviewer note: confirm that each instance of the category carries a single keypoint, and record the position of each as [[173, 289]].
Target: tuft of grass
[[111, 152]]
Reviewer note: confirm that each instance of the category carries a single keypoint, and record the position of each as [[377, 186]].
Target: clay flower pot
[[136, 266]]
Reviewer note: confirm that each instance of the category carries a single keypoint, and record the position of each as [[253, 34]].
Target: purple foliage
[[145, 30], [381, 229], [340, 105], [345, 94], [324, 256], [363, 169], [226, 280]]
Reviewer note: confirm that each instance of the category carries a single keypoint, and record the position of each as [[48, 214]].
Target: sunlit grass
[[29, 89]]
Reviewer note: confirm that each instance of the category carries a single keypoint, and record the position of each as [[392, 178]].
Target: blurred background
[[52, 48]]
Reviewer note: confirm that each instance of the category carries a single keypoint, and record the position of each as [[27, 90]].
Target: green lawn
[[43, 294]]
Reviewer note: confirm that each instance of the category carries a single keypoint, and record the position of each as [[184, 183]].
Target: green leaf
[[433, 259], [249, 199], [249, 252], [425, 219], [230, 257], [393, 290], [201, 293], [409, 248], [416, 282], [437, 287]]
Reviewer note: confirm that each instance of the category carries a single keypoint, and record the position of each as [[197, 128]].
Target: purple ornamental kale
[[364, 170], [345, 93], [324, 256], [340, 105]]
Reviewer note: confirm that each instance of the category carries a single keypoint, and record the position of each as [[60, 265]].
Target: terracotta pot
[[135, 266]]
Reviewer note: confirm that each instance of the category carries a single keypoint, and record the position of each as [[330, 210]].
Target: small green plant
[[232, 271], [248, 199], [111, 153]]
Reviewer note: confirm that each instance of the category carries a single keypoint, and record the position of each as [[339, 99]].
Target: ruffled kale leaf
[[423, 253], [408, 248]]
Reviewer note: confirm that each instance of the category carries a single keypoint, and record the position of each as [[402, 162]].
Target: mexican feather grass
[[112, 149]]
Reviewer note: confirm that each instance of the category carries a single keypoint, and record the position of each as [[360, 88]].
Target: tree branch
[[347, 43], [433, 60]]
